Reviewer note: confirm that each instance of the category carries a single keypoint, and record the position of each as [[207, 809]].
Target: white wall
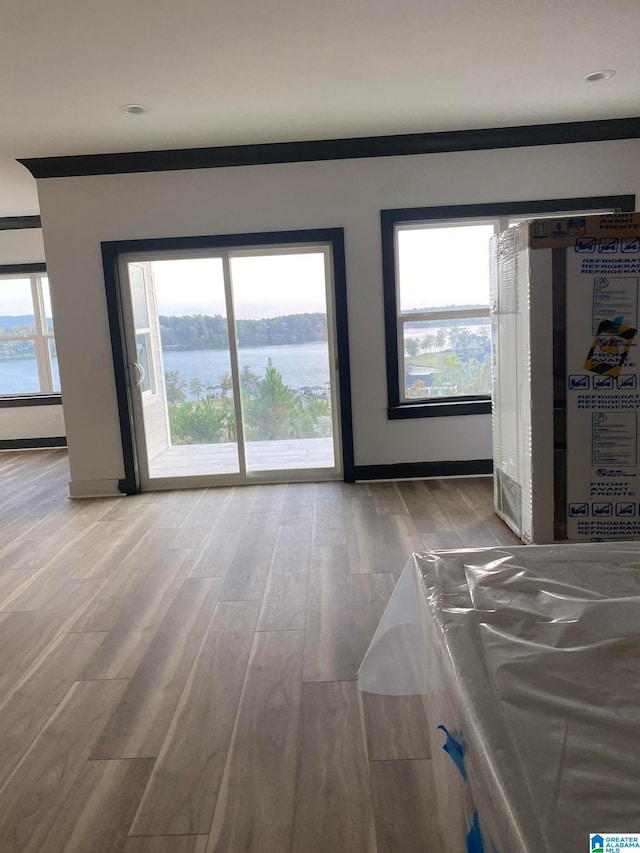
[[31, 422], [79, 213], [26, 246], [23, 246]]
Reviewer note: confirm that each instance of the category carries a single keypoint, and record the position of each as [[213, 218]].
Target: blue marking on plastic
[[455, 750], [617, 321], [474, 836]]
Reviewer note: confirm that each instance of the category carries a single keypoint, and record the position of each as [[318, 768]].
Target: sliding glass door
[[232, 365]]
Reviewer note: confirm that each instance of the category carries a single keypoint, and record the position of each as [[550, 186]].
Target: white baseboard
[[94, 489]]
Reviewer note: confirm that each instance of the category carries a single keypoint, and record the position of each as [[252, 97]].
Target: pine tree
[[275, 413]]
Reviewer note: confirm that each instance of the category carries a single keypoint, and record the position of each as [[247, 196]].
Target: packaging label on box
[[610, 348], [615, 296], [614, 439], [605, 234], [603, 393]]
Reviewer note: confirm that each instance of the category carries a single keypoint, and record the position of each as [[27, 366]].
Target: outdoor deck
[[185, 460]]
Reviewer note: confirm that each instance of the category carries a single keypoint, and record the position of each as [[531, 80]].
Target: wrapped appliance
[[564, 309]]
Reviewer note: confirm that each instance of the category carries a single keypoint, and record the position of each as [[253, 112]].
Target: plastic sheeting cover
[[533, 652]]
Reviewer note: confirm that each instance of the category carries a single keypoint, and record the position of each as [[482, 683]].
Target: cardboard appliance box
[[566, 378]]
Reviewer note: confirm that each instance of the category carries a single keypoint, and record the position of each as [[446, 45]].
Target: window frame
[[34, 274], [502, 212], [144, 331]]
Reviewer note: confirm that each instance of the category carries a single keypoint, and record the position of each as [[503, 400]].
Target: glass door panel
[[53, 355], [280, 307], [184, 367]]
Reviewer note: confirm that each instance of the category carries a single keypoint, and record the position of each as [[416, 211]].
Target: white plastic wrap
[[511, 357], [529, 658]]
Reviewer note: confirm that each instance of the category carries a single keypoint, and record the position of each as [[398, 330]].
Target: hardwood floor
[[177, 670]]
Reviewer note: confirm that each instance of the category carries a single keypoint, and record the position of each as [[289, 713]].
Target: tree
[[440, 339], [417, 390], [226, 383], [427, 343], [275, 412], [319, 412], [201, 331], [411, 346], [479, 380], [176, 387], [461, 340], [196, 386], [207, 422], [272, 410], [453, 373], [460, 377], [248, 380]]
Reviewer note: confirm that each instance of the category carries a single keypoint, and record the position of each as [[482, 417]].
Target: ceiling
[[226, 72]]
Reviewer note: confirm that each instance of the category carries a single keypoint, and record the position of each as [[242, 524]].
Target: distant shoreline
[[251, 346]]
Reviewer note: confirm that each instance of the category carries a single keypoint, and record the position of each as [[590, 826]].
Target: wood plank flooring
[[177, 670]]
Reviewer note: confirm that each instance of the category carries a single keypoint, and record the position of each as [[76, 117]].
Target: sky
[[444, 265], [263, 286], [16, 297]]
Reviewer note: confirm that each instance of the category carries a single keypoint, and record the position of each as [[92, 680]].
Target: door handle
[[139, 371]]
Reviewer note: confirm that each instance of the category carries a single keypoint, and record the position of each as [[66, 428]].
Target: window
[[444, 330], [436, 291], [28, 360]]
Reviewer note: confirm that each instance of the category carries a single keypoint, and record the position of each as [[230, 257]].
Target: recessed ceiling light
[[596, 76], [134, 109]]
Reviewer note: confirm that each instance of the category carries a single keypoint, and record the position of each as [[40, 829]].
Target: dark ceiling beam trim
[[333, 149], [17, 223]]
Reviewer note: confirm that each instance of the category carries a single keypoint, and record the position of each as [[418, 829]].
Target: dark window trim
[[111, 252], [561, 133], [19, 402], [390, 218], [22, 269], [18, 223]]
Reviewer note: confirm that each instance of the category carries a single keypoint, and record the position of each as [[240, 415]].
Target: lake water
[[21, 376], [302, 364]]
